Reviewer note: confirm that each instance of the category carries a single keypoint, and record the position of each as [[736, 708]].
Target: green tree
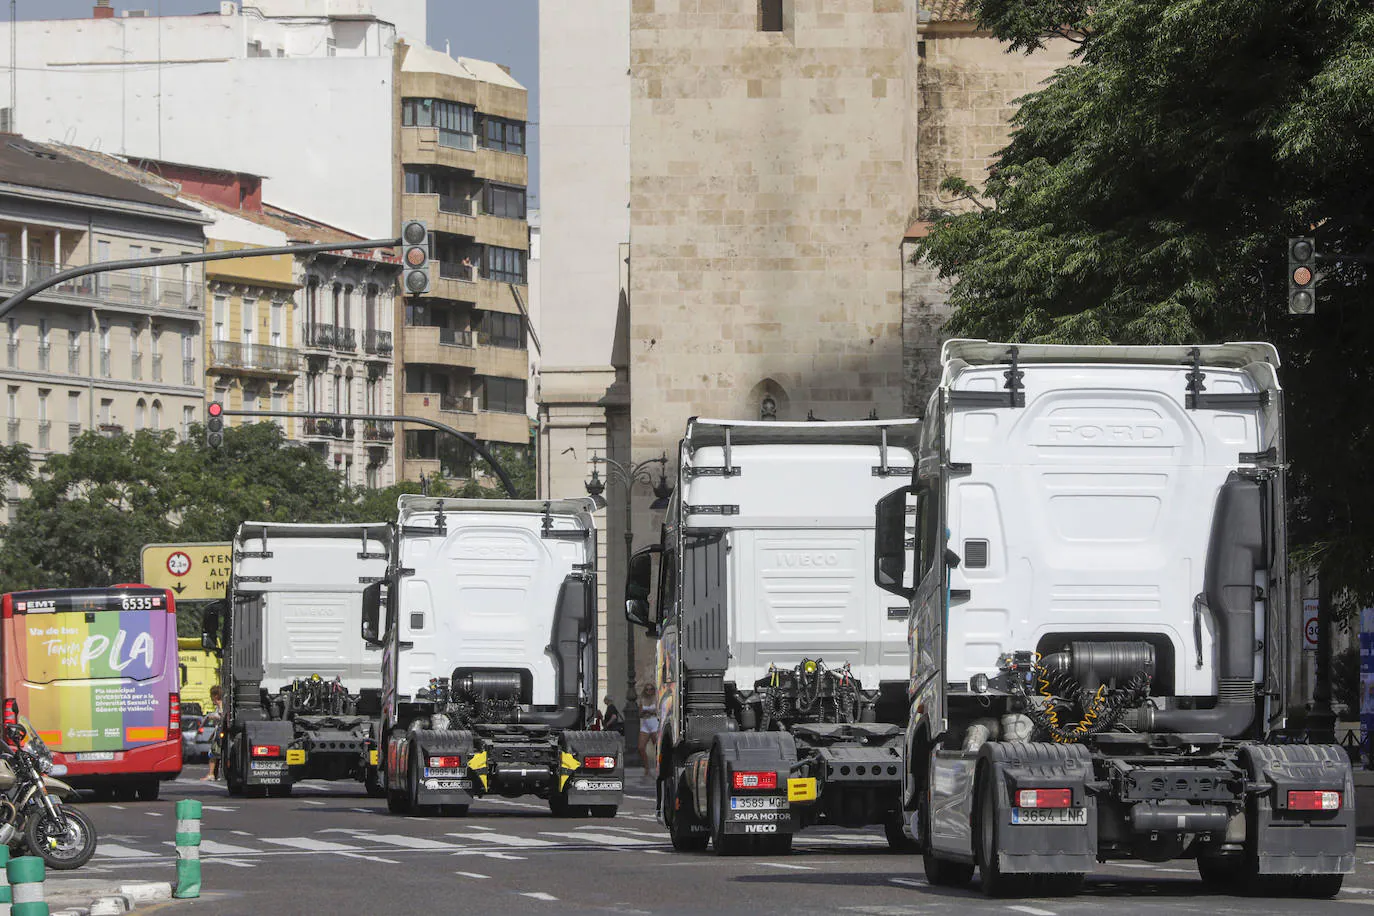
[[1146, 196]]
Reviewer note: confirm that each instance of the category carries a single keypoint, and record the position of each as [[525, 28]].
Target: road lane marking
[[153, 813], [503, 839], [409, 842], [787, 865], [116, 851], [478, 827], [217, 808], [608, 839], [217, 849], [232, 862], [362, 810], [539, 895], [309, 845], [512, 804], [1031, 910], [116, 807], [366, 858], [242, 833], [907, 882], [659, 836], [472, 874], [490, 855], [311, 801]]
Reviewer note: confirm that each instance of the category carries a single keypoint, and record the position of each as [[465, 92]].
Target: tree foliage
[[90, 511], [1147, 194]]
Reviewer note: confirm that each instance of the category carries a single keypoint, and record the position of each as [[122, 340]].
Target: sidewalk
[[69, 894]]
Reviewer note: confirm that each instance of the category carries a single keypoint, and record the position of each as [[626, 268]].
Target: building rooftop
[[423, 59], [54, 167], [946, 11]]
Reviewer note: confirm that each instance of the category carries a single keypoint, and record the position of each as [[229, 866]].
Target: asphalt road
[[332, 850]]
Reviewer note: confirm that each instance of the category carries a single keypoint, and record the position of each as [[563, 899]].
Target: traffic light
[[1302, 276], [214, 424], [415, 255]]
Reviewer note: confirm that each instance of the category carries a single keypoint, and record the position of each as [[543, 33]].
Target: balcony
[[44, 435], [73, 432], [188, 372], [457, 270], [441, 408], [496, 426], [456, 404], [74, 366], [379, 430], [138, 288], [442, 212], [439, 346], [346, 339], [256, 359], [320, 336], [377, 342], [111, 429]]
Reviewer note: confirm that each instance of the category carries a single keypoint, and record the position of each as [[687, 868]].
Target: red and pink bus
[[95, 671]]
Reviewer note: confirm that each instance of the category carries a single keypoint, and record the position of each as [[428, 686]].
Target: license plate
[[757, 802], [96, 755], [446, 771], [597, 785], [1069, 816], [274, 766]]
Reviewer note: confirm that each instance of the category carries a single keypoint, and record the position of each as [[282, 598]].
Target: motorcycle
[[32, 813]]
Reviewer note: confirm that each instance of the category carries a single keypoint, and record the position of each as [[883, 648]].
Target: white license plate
[[272, 765], [446, 771], [758, 802], [96, 755], [598, 785], [1068, 816]]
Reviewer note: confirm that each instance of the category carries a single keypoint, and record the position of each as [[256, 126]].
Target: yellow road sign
[[192, 571]]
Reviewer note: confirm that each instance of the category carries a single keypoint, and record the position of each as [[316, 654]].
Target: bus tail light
[[743, 780], [1314, 801], [266, 750], [174, 713], [11, 711]]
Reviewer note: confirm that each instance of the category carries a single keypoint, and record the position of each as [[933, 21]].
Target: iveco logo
[[1105, 432], [808, 559]]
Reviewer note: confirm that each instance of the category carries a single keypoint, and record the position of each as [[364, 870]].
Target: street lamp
[[662, 491]]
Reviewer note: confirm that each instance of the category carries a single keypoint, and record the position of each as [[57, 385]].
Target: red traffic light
[[415, 257], [215, 408], [1302, 276]]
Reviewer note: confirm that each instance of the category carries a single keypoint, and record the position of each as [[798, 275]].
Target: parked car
[[195, 737]]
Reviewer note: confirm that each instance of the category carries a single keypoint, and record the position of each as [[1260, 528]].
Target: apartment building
[[115, 352], [462, 168]]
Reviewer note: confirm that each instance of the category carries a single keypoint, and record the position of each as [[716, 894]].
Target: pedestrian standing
[[215, 718], [611, 719], [648, 730]]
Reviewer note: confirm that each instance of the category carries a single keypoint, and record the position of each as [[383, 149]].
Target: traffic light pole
[[389, 418], [86, 270]]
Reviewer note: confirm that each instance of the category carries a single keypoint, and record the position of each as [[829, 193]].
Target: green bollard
[[188, 849], [26, 885], [4, 881]]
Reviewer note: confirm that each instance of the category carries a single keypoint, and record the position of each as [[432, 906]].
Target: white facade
[[294, 94]]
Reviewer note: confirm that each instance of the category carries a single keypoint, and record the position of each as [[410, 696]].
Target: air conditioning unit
[[228, 8]]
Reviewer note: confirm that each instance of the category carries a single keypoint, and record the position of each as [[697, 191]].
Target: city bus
[[96, 671]]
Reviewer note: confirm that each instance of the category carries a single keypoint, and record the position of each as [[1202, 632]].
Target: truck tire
[[1318, 887], [278, 791], [233, 775], [680, 815], [372, 782], [1220, 872], [945, 872], [413, 785], [897, 840], [603, 810], [995, 883], [723, 843], [397, 801]]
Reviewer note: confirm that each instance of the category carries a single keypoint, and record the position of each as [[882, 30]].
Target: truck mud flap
[[267, 769], [1031, 848], [591, 785], [444, 784], [751, 810], [1287, 841]]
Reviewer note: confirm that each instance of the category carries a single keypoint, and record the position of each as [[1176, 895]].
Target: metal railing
[[136, 366], [73, 432], [379, 342], [456, 404], [157, 367], [111, 429], [503, 341], [374, 430], [188, 372], [44, 434], [457, 270], [461, 206], [453, 337], [320, 336], [346, 339], [44, 357], [118, 287], [231, 354], [74, 360]]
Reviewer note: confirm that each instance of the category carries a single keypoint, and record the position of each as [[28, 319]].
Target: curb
[[127, 898]]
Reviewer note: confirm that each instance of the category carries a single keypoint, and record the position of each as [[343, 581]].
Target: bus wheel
[[148, 790], [125, 793]]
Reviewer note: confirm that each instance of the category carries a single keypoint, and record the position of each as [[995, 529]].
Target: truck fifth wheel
[[1101, 632], [782, 667], [489, 677]]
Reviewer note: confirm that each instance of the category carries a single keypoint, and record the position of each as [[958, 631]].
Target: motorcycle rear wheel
[[63, 846]]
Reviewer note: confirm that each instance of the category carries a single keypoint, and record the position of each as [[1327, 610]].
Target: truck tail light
[[174, 713], [752, 780], [266, 750], [599, 763], [11, 711], [1044, 798], [1314, 801], [446, 763]]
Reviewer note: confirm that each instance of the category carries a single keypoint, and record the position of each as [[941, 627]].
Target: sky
[[504, 31]]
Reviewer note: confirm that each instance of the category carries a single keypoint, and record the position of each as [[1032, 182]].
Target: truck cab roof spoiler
[[258, 530], [1225, 355], [703, 432]]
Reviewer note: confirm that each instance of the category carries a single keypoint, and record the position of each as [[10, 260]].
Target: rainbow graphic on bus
[[93, 669]]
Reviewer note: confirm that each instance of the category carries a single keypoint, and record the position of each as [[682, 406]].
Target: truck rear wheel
[[1318, 887], [559, 807], [680, 814], [946, 873], [397, 801], [603, 810], [725, 844], [995, 883], [897, 840]]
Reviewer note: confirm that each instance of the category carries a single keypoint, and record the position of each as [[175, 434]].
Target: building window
[[506, 265], [770, 15], [331, 47], [506, 395], [140, 414], [503, 134], [503, 200], [188, 416], [73, 415], [501, 330], [157, 416], [106, 411], [453, 119]]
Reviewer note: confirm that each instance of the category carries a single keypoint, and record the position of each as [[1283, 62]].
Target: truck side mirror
[[372, 613], [889, 543], [639, 587], [209, 627]]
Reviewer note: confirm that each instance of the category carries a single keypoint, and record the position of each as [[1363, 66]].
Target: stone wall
[[770, 186]]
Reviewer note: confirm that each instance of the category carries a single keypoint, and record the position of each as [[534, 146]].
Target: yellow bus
[[199, 670]]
